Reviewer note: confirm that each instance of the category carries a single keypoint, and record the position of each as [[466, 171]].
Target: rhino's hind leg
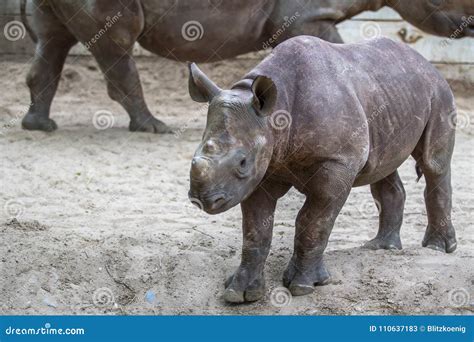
[[440, 234], [123, 86], [54, 43], [389, 195], [433, 156], [113, 52]]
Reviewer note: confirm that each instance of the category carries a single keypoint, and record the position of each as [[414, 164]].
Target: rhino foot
[[439, 241], [388, 242], [149, 124], [301, 281], [240, 288], [34, 122]]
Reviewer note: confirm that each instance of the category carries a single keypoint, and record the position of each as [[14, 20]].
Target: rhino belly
[[391, 143], [201, 32]]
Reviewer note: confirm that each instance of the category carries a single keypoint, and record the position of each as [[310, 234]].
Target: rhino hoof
[[440, 243], [38, 123], [301, 289], [302, 283], [387, 243], [150, 125], [240, 293]]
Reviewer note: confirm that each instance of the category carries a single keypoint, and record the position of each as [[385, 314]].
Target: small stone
[[50, 303], [150, 297]]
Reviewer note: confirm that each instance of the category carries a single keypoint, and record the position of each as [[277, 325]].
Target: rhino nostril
[[219, 199], [243, 163]]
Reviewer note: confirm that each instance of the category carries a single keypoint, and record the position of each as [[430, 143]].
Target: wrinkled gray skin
[[323, 118], [230, 28]]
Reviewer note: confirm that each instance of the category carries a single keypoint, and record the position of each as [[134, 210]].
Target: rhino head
[[236, 147], [447, 18]]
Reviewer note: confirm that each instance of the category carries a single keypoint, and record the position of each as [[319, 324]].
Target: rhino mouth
[[212, 203]]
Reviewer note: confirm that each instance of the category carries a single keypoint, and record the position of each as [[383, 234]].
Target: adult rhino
[[197, 30]]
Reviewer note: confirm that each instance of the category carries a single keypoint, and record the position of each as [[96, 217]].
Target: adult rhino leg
[[389, 195], [123, 85], [52, 47], [248, 282], [111, 41], [326, 193]]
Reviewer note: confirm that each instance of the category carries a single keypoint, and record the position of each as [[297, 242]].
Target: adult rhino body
[[195, 30], [323, 118]]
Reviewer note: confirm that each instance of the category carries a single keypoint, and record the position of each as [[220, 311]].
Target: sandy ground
[[103, 224]]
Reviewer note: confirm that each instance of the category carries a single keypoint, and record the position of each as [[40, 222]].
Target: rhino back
[[353, 101]]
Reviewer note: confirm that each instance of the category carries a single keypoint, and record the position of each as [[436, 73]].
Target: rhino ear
[[264, 95], [201, 88]]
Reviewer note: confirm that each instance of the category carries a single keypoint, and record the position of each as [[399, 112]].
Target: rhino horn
[[201, 88]]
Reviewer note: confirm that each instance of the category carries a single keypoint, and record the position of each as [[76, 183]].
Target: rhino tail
[[419, 171], [24, 20]]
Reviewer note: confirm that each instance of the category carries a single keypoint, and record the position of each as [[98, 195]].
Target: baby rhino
[[323, 118]]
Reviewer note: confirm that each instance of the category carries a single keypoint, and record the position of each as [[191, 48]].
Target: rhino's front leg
[[247, 284], [326, 194]]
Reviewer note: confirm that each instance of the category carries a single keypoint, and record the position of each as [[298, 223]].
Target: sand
[[97, 221]]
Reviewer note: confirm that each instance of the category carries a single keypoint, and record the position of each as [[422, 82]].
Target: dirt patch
[[117, 234], [25, 225]]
